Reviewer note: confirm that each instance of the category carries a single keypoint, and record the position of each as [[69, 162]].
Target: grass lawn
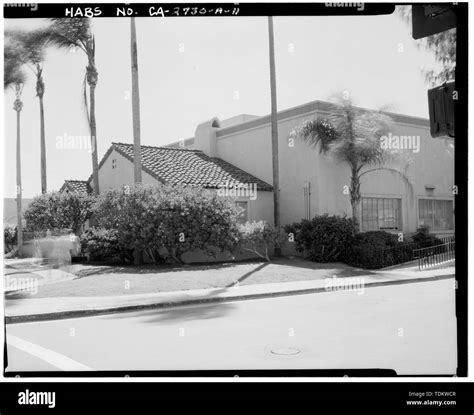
[[107, 280]]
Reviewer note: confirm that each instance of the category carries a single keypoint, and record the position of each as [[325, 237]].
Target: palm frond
[[318, 131], [14, 74], [70, 32], [32, 44], [348, 133]]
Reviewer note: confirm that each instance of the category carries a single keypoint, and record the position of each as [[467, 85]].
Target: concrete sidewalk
[[31, 273], [24, 310]]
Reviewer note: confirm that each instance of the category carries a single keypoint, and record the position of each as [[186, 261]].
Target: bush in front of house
[[9, 238], [55, 211], [259, 238], [424, 238], [375, 249], [324, 238], [333, 238], [103, 244], [167, 219]]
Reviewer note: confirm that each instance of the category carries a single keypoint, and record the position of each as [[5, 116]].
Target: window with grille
[[436, 214], [243, 215], [379, 213]]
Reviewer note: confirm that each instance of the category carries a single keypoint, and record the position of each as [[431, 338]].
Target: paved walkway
[[31, 273], [31, 309]]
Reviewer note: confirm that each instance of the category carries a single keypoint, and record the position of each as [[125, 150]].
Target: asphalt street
[[410, 328]]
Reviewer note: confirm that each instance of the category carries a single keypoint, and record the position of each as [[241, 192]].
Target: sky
[[194, 68]]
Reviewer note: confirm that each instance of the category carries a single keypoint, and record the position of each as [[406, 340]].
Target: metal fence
[[435, 255], [406, 252], [396, 255]]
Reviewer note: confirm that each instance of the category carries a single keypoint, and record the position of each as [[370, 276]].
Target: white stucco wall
[[261, 208], [115, 178], [121, 175], [250, 149]]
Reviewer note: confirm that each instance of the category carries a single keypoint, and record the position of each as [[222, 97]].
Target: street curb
[[140, 307]]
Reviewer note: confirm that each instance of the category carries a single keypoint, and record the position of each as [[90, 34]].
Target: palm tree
[[274, 128], [76, 33], [14, 77], [32, 45], [350, 135], [137, 161], [137, 157]]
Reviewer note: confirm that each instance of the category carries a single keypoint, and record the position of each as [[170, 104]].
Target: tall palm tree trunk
[[43, 146], [274, 128], [137, 158], [18, 105], [355, 198], [135, 104], [92, 81]]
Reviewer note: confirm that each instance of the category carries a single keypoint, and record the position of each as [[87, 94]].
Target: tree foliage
[[10, 235], [259, 237], [72, 32], [14, 74], [55, 211], [324, 238], [443, 47], [104, 244], [168, 219], [352, 136]]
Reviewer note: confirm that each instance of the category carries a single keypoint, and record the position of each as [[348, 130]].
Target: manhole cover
[[286, 351]]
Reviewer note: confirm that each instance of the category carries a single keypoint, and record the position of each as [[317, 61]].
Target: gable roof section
[[188, 167], [81, 186]]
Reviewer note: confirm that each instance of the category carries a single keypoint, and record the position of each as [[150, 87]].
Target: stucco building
[[236, 153]]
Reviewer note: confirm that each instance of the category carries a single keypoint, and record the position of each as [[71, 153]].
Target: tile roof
[[189, 167], [76, 186]]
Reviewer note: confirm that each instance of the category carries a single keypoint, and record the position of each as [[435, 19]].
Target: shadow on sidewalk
[[92, 270], [246, 275], [195, 311]]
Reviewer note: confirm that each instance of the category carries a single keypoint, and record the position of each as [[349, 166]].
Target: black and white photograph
[[223, 188]]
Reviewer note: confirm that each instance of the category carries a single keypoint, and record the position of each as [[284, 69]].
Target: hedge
[[103, 244], [56, 211], [333, 238], [173, 220], [324, 238]]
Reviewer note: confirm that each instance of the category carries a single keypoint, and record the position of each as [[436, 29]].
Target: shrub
[[102, 244], [55, 211], [423, 237], [324, 238], [174, 219], [374, 250], [258, 237], [9, 238], [378, 239]]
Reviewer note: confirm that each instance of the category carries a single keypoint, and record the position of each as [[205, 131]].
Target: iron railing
[[435, 255], [406, 252], [397, 255]]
